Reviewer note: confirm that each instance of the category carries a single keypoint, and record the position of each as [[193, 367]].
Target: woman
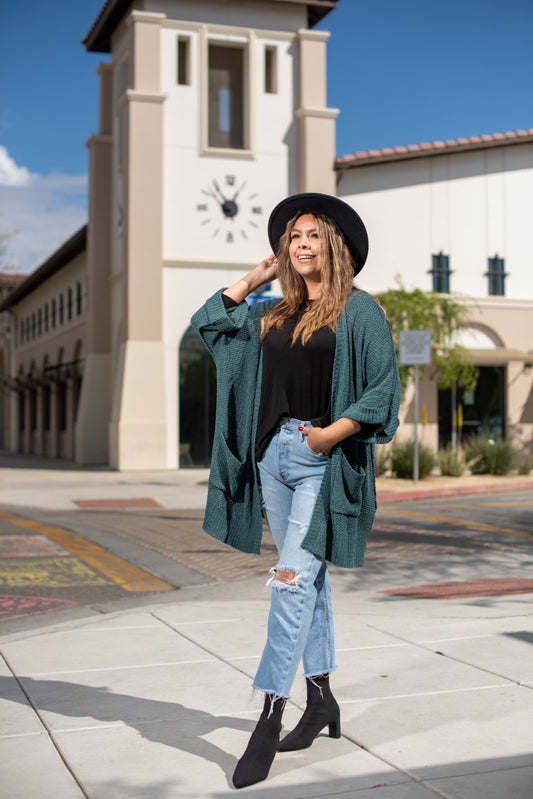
[[306, 387]]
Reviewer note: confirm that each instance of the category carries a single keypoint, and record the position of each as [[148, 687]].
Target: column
[[91, 442], [138, 424], [316, 122]]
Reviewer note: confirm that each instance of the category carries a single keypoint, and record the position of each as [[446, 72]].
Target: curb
[[450, 491]]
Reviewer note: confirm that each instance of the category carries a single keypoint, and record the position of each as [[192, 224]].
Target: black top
[[296, 379]]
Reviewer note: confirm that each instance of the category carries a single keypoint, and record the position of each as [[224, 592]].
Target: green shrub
[[382, 460], [403, 457], [486, 456], [524, 462], [452, 461]]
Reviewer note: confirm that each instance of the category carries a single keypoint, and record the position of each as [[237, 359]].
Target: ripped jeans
[[300, 623]]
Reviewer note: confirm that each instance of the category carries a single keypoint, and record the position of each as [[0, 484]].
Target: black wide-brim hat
[[347, 220]]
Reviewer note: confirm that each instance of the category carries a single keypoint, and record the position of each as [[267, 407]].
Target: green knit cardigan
[[365, 387]]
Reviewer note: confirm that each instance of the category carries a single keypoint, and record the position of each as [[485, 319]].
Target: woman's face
[[305, 251]]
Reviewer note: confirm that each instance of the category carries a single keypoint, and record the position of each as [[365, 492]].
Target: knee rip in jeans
[[284, 579]]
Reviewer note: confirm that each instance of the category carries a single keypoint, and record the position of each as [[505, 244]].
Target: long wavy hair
[[336, 282]]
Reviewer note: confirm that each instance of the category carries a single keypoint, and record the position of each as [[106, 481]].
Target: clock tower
[[210, 113]]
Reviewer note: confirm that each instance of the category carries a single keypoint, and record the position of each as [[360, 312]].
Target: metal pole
[[415, 465], [454, 417]]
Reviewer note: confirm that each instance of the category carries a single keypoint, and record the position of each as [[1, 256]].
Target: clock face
[[229, 209]]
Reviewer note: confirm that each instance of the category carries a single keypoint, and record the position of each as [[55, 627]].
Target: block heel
[[321, 711], [335, 728]]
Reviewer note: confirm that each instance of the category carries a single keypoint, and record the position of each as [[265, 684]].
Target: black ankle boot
[[321, 710], [255, 763]]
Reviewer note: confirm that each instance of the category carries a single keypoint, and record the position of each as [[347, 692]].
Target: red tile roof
[[434, 148]]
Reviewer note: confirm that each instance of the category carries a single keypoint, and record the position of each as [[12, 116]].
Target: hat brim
[[347, 220]]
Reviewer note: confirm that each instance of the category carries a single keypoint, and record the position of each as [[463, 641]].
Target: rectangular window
[[53, 314], [78, 299], [46, 318], [226, 97], [496, 276], [441, 273], [33, 325], [184, 61], [61, 309], [69, 304], [271, 70], [39, 322]]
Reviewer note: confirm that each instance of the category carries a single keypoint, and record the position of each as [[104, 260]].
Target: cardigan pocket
[[228, 473], [346, 486]]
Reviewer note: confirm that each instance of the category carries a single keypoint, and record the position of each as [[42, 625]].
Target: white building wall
[[245, 14], [194, 227], [202, 250], [471, 205]]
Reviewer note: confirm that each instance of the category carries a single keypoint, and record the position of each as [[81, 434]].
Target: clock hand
[[239, 191], [212, 194], [229, 207], [217, 189]]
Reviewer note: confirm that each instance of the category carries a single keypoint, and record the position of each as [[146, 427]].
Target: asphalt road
[[55, 564]]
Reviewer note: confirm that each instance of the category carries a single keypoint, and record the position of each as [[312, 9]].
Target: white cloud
[[10, 173], [39, 215]]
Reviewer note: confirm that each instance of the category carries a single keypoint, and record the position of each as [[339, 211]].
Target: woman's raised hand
[[267, 269]]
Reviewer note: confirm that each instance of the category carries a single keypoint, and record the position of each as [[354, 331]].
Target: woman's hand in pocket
[[317, 440]]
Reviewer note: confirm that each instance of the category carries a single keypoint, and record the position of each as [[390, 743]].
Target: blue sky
[[401, 73]]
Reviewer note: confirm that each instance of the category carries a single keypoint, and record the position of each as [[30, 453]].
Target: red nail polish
[[300, 429]]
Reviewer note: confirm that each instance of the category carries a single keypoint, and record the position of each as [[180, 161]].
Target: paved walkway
[[436, 694]]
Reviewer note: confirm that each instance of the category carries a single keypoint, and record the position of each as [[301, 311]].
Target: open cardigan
[[365, 388]]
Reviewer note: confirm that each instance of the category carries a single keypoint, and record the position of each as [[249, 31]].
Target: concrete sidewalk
[[436, 700], [436, 695], [33, 482]]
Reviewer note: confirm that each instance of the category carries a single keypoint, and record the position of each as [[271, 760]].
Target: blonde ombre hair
[[336, 282]]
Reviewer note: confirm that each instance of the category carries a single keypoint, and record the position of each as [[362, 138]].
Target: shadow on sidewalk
[[15, 460], [168, 723]]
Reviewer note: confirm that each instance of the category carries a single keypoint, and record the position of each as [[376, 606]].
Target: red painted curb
[[502, 586], [450, 491]]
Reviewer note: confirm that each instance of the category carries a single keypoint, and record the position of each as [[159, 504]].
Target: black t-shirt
[[296, 379]]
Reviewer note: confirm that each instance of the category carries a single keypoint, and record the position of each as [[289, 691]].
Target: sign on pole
[[415, 347], [415, 350]]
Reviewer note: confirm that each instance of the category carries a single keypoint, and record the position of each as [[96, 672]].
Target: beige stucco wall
[[54, 356]]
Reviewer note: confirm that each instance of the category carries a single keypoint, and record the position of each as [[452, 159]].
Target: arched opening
[[77, 377], [197, 397], [463, 414], [21, 409]]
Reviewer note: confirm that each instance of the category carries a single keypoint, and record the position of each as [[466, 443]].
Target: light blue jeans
[[300, 623]]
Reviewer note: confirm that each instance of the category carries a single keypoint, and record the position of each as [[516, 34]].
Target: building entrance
[[197, 398], [472, 412]]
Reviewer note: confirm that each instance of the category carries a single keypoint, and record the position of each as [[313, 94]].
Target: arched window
[[197, 396]]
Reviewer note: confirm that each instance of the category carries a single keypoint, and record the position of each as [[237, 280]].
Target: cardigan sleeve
[[215, 322], [378, 391]]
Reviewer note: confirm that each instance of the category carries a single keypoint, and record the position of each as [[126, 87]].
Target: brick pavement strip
[[178, 535]]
